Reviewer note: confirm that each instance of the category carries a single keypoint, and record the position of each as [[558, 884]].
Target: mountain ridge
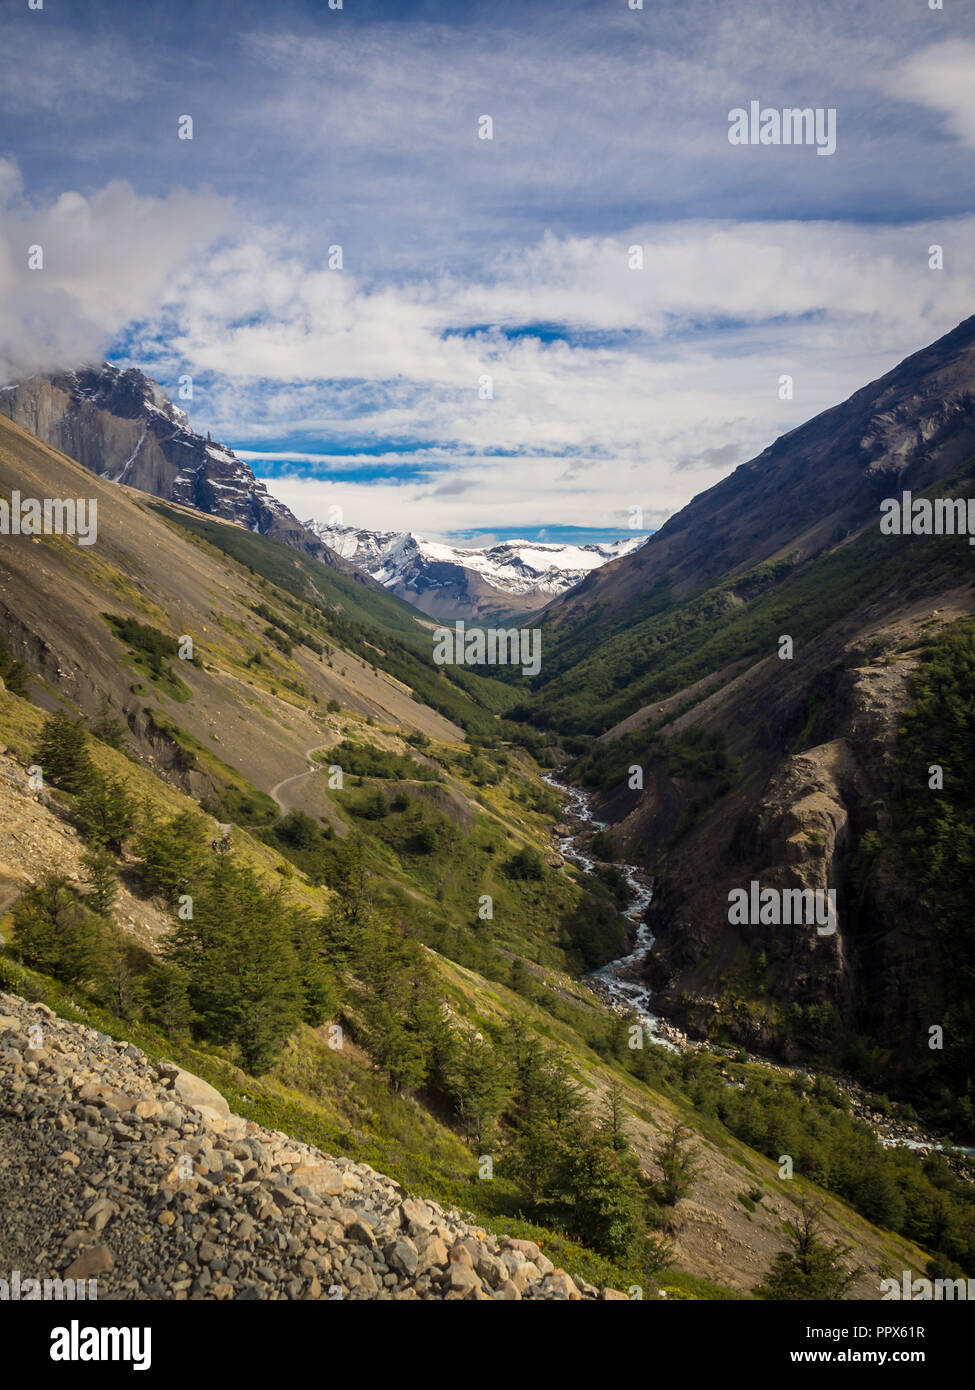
[[506, 579], [121, 425]]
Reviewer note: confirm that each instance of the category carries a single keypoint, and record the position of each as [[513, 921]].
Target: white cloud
[[669, 378], [942, 77], [107, 259]]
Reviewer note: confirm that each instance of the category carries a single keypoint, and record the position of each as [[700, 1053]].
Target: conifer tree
[[63, 753], [811, 1269], [101, 876]]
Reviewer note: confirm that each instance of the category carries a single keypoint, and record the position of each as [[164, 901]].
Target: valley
[[467, 925]]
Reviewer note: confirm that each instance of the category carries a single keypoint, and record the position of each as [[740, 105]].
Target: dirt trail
[[312, 768]]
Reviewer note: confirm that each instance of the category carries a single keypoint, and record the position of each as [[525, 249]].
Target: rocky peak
[[120, 423]]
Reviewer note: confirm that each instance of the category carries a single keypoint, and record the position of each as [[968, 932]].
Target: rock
[[260, 1215], [528, 1248], [100, 1213], [90, 1263], [432, 1251], [460, 1278], [193, 1090], [361, 1232], [562, 1284], [415, 1216], [403, 1257]]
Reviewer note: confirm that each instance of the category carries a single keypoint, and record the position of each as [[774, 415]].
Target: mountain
[[809, 490], [494, 582], [785, 677], [121, 425], [385, 964]]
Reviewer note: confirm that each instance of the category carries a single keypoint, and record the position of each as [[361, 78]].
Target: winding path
[[313, 767]]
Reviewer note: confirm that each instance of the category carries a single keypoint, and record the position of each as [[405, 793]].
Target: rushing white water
[[619, 980]]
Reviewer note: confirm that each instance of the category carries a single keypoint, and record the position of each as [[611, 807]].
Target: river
[[619, 982]]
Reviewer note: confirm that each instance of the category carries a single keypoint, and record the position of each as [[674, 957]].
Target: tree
[[243, 974], [63, 753], [403, 1023], [107, 729], [527, 865], [812, 1269], [55, 933], [122, 963], [477, 1080], [105, 812], [172, 852], [596, 1189], [678, 1163], [348, 876], [165, 996], [614, 1119], [13, 674], [102, 879], [299, 831], [521, 979]]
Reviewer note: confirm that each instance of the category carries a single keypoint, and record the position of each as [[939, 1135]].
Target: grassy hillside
[[597, 673]]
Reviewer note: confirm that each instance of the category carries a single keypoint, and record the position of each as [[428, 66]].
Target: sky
[[489, 357]]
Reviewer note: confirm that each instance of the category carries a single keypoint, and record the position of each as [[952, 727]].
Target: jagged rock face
[[510, 578], [122, 426], [797, 825]]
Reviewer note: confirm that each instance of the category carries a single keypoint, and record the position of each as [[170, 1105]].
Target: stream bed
[[619, 982]]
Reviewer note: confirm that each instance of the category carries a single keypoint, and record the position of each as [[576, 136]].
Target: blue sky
[[486, 360]]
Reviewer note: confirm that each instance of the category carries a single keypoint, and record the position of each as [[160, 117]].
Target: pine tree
[[105, 812], [243, 974], [14, 674], [478, 1081], [678, 1163], [55, 933], [173, 852], [122, 964], [63, 753], [812, 1269], [101, 876], [349, 877], [107, 729], [165, 997]]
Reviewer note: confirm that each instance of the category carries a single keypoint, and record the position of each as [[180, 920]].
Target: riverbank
[[620, 984]]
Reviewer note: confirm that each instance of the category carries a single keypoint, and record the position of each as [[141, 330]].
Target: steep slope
[[303, 1224], [248, 705], [766, 713], [122, 426], [490, 582], [416, 908], [808, 490]]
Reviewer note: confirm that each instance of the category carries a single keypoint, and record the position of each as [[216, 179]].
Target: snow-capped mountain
[[446, 581]]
